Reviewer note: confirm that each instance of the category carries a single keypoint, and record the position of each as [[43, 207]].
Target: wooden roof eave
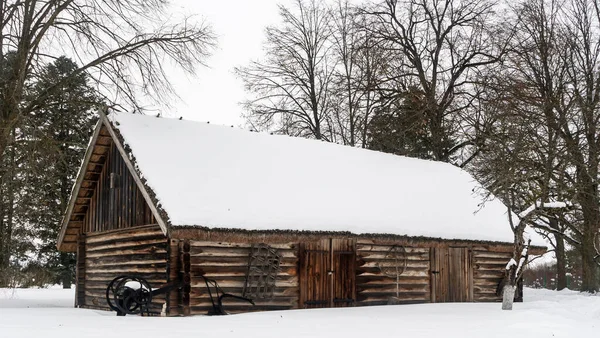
[[75, 192], [103, 122]]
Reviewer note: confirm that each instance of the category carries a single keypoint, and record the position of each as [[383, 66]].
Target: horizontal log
[[486, 282], [384, 255], [386, 248], [72, 230], [491, 254], [402, 295], [242, 253], [232, 261], [410, 265], [489, 267], [127, 244], [284, 246], [370, 278], [235, 270], [70, 239], [149, 249], [361, 271], [491, 260], [392, 289], [137, 231], [130, 270], [487, 299], [102, 285], [485, 292], [278, 301], [488, 274], [126, 261], [102, 276], [101, 293], [236, 275], [278, 292], [383, 299], [199, 283]]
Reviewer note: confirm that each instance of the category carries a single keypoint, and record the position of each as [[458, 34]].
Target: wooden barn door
[[451, 275], [344, 272], [327, 273], [315, 263]]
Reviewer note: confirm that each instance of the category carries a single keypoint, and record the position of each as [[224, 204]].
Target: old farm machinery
[[129, 294]]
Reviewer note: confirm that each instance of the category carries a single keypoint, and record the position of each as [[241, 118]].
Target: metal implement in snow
[[129, 295]]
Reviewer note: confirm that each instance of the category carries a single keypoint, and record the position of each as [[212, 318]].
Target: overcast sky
[[215, 93]]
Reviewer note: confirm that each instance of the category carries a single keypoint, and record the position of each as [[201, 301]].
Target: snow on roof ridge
[[221, 177]]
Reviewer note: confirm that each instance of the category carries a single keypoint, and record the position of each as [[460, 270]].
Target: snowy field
[[48, 313]]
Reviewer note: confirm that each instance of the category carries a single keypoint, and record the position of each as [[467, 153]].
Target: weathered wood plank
[[209, 244]]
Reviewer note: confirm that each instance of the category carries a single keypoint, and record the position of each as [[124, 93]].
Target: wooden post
[[185, 259], [80, 272]]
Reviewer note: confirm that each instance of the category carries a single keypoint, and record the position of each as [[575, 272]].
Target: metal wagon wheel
[[394, 264], [129, 295]]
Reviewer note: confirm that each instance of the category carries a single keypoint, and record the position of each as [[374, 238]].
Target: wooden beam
[[77, 187]]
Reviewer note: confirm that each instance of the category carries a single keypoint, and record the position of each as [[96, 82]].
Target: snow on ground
[[48, 313]]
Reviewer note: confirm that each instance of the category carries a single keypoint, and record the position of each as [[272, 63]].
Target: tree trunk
[[67, 280], [508, 296], [559, 250], [591, 216], [589, 274]]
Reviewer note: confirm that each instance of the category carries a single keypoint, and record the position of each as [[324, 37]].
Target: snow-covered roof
[[222, 177]]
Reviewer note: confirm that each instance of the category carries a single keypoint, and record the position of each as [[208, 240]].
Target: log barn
[[174, 201]]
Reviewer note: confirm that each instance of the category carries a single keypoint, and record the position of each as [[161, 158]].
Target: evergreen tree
[[15, 236], [402, 127], [60, 133], [38, 172]]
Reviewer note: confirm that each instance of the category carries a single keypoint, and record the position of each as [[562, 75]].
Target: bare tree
[[122, 45], [524, 161], [291, 85], [577, 122], [546, 143], [443, 45], [362, 63]]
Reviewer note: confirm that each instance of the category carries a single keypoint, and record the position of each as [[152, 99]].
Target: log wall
[[117, 202], [488, 271], [376, 288], [141, 251], [227, 263]]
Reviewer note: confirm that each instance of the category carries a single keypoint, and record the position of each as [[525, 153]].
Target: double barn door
[[327, 273]]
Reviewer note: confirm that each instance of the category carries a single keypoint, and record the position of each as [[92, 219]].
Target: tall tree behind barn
[[45, 155]]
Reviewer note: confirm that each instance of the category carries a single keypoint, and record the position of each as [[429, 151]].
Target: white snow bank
[[222, 177], [543, 314]]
